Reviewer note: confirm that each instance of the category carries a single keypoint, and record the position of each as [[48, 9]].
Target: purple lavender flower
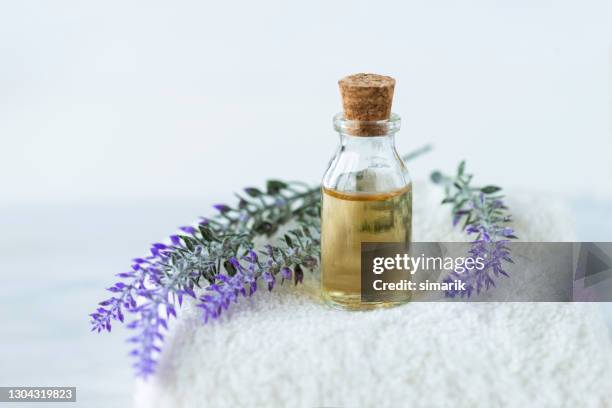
[[493, 253], [483, 214], [269, 278], [286, 273], [188, 229], [147, 284], [222, 208], [243, 283]]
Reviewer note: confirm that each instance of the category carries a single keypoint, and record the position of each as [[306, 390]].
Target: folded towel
[[285, 348]]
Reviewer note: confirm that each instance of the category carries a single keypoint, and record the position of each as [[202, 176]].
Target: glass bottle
[[366, 191]]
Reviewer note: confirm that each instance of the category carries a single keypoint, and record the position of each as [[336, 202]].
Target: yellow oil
[[347, 220]]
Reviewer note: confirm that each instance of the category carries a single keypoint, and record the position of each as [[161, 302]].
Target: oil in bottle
[[350, 219]]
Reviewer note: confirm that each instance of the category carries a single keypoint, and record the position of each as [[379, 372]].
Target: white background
[[121, 120], [117, 100]]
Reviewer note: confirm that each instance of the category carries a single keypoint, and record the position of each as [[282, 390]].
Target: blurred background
[[119, 100], [120, 121]]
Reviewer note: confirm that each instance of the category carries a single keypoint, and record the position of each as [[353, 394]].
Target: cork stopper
[[367, 97]]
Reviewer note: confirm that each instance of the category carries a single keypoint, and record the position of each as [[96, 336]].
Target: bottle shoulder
[[367, 172]]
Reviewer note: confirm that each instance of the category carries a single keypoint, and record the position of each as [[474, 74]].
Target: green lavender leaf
[[436, 177], [275, 186], [490, 189], [461, 168], [253, 192]]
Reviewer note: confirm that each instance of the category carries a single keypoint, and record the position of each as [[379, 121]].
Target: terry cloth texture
[[286, 349]]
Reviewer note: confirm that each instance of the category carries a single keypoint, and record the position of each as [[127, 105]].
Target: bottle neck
[[367, 136], [367, 129], [381, 143]]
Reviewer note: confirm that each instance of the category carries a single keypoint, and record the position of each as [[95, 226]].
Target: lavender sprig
[[207, 253], [483, 214]]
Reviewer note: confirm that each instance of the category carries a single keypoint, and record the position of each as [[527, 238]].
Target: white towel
[[286, 349]]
